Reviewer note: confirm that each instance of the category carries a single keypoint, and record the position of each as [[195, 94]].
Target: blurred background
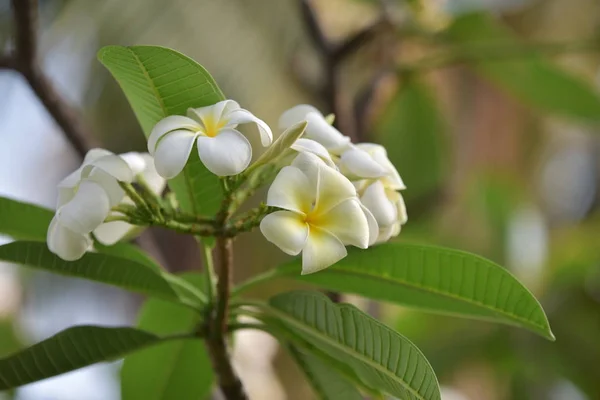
[[488, 108]]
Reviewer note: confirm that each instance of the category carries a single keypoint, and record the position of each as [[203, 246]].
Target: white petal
[[135, 161], [87, 210], [387, 232], [375, 199], [347, 222], [228, 153], [309, 164], [333, 188], [292, 191], [379, 154], [295, 114], [373, 226], [110, 185], [94, 154], [71, 180], [322, 249], [286, 230], [65, 194], [172, 153], [358, 163], [318, 129], [112, 165], [170, 124], [111, 232], [65, 243], [241, 116], [397, 199], [310, 146], [156, 182]]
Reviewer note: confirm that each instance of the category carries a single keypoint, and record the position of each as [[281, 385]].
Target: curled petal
[[302, 145], [360, 164], [241, 116], [347, 222], [285, 230], [373, 226], [228, 153], [397, 199], [94, 154], [173, 152], [110, 185], [375, 199], [65, 243], [111, 232], [318, 129], [135, 161], [322, 249], [87, 210], [170, 124], [112, 165], [156, 182], [379, 154], [292, 191], [295, 114]]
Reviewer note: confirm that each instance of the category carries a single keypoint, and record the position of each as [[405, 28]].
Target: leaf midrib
[[360, 273], [165, 114], [342, 347]]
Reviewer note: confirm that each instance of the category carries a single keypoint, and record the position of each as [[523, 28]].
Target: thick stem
[[230, 384]]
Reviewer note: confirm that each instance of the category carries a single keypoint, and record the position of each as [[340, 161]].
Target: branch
[[24, 60], [314, 28], [230, 384]]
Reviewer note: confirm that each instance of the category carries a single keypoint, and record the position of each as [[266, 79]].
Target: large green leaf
[[379, 356], [159, 82], [435, 279], [24, 221], [411, 129], [71, 349], [177, 369], [121, 272], [326, 382], [535, 81]]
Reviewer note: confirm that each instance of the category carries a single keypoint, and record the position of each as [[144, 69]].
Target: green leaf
[[326, 382], [159, 82], [116, 271], [130, 252], [24, 221], [434, 279], [411, 129], [379, 356], [71, 349], [178, 369], [535, 81]]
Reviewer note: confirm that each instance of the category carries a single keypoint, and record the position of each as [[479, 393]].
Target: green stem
[[209, 266], [112, 218], [135, 197]]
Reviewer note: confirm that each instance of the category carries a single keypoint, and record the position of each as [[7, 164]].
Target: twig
[[230, 384], [24, 60]]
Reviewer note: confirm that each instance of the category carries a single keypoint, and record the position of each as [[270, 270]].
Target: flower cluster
[[328, 193], [86, 196]]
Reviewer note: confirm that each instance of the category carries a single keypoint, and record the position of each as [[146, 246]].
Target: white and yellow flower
[[222, 149], [86, 196], [318, 129], [321, 213]]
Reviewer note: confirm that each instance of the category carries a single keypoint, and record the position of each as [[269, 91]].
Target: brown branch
[[24, 60], [230, 384]]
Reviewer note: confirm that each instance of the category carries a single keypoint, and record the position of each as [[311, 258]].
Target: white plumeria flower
[[388, 208], [84, 201], [222, 149], [368, 161], [321, 213], [318, 129], [142, 164]]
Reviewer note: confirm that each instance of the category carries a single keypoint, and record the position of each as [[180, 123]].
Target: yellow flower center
[[212, 126]]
